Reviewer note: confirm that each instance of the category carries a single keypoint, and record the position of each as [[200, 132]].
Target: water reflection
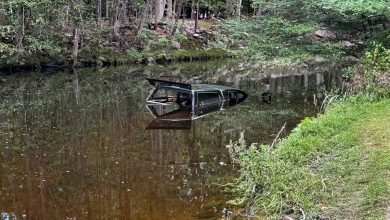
[[75, 145]]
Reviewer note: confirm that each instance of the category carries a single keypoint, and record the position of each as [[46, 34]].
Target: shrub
[[180, 38], [162, 42], [378, 58], [133, 53]]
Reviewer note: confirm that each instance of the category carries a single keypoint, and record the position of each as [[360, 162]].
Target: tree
[[363, 15], [159, 10], [238, 9], [196, 14], [228, 8], [169, 10]]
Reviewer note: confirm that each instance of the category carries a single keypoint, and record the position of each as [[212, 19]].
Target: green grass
[[336, 165]]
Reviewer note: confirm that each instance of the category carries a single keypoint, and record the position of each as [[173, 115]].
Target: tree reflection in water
[[75, 145]]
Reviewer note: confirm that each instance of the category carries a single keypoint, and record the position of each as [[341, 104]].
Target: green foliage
[[358, 8], [323, 163], [279, 40], [304, 123], [7, 53], [138, 4], [30, 30], [162, 42], [367, 17], [180, 38], [377, 70], [215, 6], [134, 53], [377, 58], [41, 45], [272, 185], [349, 72], [373, 75], [285, 29], [281, 34], [146, 35]]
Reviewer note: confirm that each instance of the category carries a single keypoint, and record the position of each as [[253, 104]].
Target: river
[[74, 145]]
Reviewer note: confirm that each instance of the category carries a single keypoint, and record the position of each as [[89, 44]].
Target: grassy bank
[[281, 41], [336, 165]]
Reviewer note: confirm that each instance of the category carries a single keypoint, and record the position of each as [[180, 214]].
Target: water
[[74, 145]]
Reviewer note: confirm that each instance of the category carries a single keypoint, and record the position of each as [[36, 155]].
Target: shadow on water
[[75, 145]]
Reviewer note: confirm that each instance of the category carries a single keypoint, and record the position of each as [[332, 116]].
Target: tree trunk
[[106, 14], [114, 13], [20, 32], [169, 10], [159, 10], [121, 13], [238, 12], [174, 9], [193, 10], [144, 14], [179, 9], [228, 12], [76, 40], [78, 24], [2, 18], [196, 15], [99, 12], [258, 12]]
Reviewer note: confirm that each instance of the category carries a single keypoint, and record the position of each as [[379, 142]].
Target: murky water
[[74, 145]]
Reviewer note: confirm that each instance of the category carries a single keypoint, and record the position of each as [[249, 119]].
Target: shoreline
[[114, 59], [326, 160]]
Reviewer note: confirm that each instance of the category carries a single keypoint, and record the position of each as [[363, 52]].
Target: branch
[[277, 136]]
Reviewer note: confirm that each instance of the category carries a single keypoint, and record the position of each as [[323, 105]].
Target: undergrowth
[[279, 40], [325, 168]]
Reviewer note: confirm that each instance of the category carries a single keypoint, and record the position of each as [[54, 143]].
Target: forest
[[104, 32], [74, 141]]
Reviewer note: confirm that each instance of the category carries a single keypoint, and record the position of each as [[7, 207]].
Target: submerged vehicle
[[174, 105]]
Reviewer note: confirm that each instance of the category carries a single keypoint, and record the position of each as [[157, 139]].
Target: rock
[[176, 45], [346, 43], [324, 33], [351, 59], [246, 34], [146, 48], [286, 217], [319, 59], [303, 65], [151, 60], [241, 47], [104, 60]]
